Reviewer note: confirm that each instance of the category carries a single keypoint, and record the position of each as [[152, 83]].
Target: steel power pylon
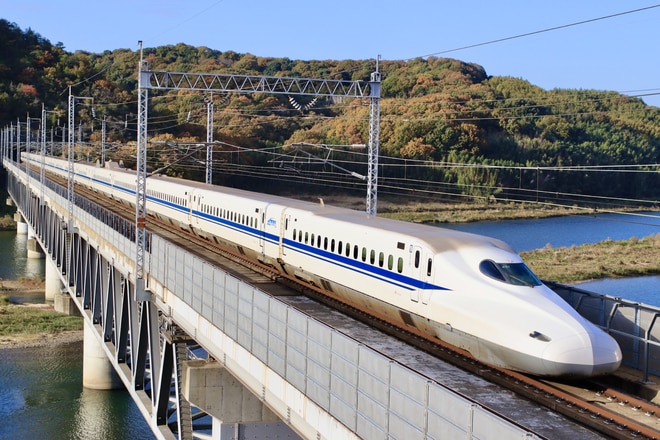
[[229, 83]]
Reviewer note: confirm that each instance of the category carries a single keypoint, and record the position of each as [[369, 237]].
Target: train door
[[421, 265], [198, 208], [190, 201], [285, 224], [262, 229], [416, 270]]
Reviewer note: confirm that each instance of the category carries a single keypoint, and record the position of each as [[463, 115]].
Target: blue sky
[[619, 53]]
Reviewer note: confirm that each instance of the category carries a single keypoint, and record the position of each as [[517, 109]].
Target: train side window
[[312, 241], [355, 252], [318, 241], [332, 245], [381, 259], [295, 234], [307, 237], [325, 243], [417, 257], [372, 256], [399, 265], [429, 267], [348, 249], [340, 248], [390, 262], [364, 254]]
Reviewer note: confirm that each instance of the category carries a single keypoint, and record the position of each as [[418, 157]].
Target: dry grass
[[412, 210], [31, 319], [607, 259]]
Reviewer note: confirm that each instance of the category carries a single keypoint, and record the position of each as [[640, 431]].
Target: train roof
[[437, 237]]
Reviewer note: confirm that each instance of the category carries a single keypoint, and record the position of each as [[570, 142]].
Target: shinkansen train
[[471, 291]]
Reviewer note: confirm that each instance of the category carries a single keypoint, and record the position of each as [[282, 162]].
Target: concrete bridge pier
[[53, 282], [33, 249], [236, 412], [98, 372], [21, 225]]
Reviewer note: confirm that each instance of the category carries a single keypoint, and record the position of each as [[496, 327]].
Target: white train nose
[[589, 353]]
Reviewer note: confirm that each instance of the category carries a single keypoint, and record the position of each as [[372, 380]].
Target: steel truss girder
[[254, 84], [148, 363]]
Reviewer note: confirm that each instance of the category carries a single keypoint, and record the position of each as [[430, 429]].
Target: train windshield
[[517, 274]]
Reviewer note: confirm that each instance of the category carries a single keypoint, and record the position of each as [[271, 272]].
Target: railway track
[[609, 411]]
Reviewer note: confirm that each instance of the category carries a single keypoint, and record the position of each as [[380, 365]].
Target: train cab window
[[417, 258], [517, 274], [429, 267]]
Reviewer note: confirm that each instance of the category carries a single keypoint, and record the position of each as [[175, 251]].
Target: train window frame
[[418, 257], [429, 267], [515, 274]]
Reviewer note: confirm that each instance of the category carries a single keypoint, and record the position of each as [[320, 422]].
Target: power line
[[527, 34]]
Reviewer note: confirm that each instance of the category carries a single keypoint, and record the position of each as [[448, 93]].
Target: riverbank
[[26, 321]]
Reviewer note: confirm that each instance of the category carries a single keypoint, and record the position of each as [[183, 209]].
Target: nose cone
[[589, 353]]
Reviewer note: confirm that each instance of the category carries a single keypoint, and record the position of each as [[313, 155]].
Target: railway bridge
[[208, 354]]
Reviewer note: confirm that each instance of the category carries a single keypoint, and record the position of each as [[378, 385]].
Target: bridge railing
[[635, 326], [373, 395]]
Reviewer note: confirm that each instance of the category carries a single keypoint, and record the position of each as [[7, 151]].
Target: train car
[[471, 291]]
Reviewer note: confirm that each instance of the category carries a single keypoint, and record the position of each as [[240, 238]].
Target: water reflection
[[644, 290], [91, 420], [527, 235], [14, 263], [41, 397]]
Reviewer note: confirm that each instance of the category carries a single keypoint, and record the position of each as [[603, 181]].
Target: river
[[41, 393]]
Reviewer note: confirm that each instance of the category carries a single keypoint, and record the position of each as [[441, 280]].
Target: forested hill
[[432, 109]]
